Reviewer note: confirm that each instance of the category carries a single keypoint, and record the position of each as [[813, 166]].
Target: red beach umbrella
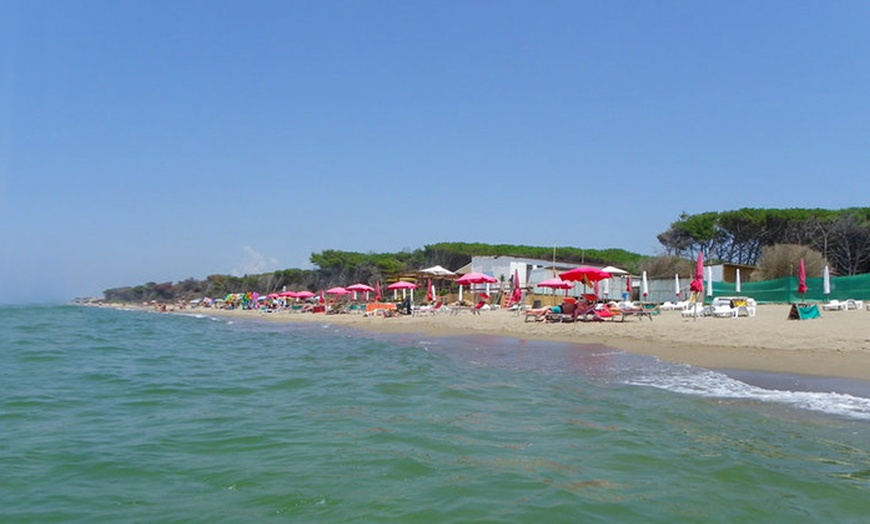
[[585, 274], [430, 296]]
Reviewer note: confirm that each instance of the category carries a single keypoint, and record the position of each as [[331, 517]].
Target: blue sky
[[161, 140]]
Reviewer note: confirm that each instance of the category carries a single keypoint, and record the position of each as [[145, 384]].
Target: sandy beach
[[835, 345]]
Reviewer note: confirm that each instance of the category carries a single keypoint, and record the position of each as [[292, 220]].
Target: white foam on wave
[[712, 384]]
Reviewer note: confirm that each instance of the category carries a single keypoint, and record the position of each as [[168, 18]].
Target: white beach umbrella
[[437, 271], [709, 281], [677, 284], [644, 285], [605, 287], [737, 281], [826, 281]]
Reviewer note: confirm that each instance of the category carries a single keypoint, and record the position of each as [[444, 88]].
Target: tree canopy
[[335, 267], [841, 236]]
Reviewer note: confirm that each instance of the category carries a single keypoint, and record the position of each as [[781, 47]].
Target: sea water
[[132, 416]]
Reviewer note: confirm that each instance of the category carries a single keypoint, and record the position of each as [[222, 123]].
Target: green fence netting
[[784, 290]]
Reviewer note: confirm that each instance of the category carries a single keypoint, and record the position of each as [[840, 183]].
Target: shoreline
[[837, 345]]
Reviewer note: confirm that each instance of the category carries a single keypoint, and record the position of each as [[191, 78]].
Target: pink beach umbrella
[[404, 286], [474, 278], [555, 283], [362, 288], [517, 294], [305, 294], [338, 291], [697, 285], [802, 278]]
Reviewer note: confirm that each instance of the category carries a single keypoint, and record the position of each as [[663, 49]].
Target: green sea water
[[130, 416]]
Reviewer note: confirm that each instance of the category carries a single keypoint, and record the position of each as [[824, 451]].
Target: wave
[[714, 384]]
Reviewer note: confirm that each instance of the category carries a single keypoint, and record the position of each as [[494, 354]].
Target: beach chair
[[746, 307], [851, 303], [433, 309], [835, 305], [567, 312], [695, 309], [724, 310], [596, 313], [652, 308], [536, 315], [635, 311]]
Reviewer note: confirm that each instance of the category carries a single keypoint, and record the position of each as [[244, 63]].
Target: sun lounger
[[724, 311], [695, 309], [536, 315], [596, 313], [434, 309], [835, 305], [566, 312], [624, 313], [854, 304]]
